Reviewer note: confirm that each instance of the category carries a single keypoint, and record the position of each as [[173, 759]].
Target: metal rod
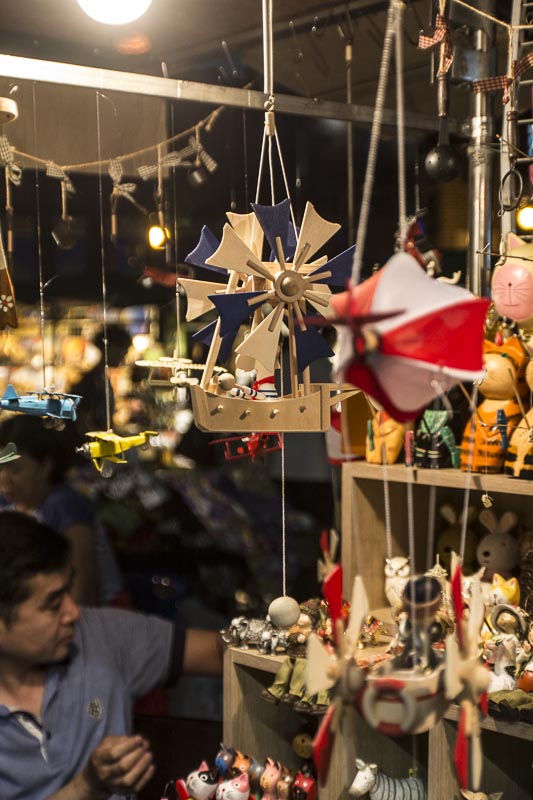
[[34, 69], [480, 170]]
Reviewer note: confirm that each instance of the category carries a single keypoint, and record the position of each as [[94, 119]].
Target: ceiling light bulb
[[114, 12], [524, 218]]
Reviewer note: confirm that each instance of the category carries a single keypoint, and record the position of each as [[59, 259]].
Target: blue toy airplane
[[56, 406]]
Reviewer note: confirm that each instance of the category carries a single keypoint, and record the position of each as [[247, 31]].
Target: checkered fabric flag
[[442, 37], [55, 171], [504, 82], [174, 158], [126, 190], [208, 161], [13, 170]]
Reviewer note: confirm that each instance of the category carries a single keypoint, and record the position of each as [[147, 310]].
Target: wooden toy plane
[[108, 446], [55, 405]]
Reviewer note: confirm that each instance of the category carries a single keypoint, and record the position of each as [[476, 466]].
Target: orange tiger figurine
[[483, 449]]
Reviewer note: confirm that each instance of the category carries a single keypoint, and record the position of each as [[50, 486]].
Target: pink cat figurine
[[269, 779], [235, 788]]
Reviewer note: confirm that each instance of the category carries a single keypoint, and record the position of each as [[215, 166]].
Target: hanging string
[[374, 141], [103, 266], [285, 182], [177, 349], [271, 168], [39, 244]]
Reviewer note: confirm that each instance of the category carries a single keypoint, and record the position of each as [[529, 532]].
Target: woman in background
[[36, 484]]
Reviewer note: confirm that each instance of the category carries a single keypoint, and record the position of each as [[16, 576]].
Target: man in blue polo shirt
[[69, 677]]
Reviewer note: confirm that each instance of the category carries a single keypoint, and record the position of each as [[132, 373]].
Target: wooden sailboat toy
[[283, 288]]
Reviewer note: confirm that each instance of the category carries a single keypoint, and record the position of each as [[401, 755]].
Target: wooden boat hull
[[219, 414]]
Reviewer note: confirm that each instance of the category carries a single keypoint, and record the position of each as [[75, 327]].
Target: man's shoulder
[[118, 623]]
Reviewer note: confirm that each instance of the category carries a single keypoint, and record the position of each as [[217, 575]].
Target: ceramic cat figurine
[[202, 782], [270, 778], [384, 439], [235, 788], [504, 591], [519, 458], [485, 444], [512, 282]]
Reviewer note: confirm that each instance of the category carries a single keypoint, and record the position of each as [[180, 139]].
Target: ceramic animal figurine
[[435, 445], [524, 662], [449, 540], [269, 779], [284, 784], [255, 770], [498, 550], [235, 788], [485, 443], [240, 764], [370, 780], [508, 627], [468, 795], [289, 685], [397, 573], [384, 440], [512, 282], [304, 787], [504, 591], [519, 458], [202, 783], [224, 760]]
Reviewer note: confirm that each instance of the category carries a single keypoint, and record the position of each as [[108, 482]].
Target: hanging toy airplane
[[56, 406], [430, 336], [108, 446], [8, 453]]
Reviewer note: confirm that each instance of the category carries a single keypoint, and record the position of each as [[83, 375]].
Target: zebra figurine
[[382, 787]]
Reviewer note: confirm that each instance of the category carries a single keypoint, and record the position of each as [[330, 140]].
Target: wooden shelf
[[442, 478], [262, 729]]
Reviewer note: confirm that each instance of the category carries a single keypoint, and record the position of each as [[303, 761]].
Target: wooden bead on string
[[284, 611]]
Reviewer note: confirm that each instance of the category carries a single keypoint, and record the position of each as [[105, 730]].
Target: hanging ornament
[[408, 337], [62, 232], [126, 190], [8, 310], [13, 175]]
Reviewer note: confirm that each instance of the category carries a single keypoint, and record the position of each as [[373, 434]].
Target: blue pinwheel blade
[[310, 346], [207, 245], [292, 241], [274, 221], [233, 309], [205, 335], [340, 267]]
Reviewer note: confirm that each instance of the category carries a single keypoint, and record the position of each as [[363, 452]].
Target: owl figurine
[[397, 573]]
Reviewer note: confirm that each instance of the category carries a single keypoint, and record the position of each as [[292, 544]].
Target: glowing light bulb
[[157, 237], [524, 218], [115, 12]]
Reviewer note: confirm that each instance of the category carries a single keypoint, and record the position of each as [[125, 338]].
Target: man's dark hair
[[27, 548], [34, 440]]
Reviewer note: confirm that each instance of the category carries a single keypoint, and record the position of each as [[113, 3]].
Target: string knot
[[14, 172]]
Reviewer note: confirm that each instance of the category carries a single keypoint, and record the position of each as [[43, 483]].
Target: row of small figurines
[[497, 436], [240, 777]]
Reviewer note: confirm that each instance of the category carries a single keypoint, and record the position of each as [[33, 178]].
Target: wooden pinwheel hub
[[289, 286]]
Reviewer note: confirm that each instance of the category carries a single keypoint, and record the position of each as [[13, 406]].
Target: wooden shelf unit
[[260, 729]]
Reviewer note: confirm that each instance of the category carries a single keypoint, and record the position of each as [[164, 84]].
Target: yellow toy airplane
[[107, 446]]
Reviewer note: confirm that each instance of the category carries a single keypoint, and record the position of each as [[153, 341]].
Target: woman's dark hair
[[34, 440], [27, 548]]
